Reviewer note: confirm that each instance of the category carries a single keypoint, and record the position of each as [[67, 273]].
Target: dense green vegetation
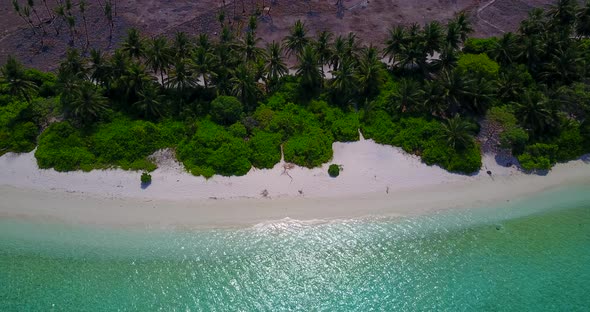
[[226, 104], [334, 170]]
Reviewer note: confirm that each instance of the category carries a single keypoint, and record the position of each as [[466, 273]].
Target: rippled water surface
[[528, 255]]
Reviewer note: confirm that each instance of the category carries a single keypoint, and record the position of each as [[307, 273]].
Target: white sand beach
[[376, 180]]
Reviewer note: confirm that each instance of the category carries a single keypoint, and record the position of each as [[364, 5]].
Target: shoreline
[[444, 191]]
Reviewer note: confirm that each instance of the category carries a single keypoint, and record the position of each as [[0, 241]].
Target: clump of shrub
[[226, 110], [480, 45], [334, 170], [310, 150], [146, 178], [422, 137], [122, 143], [214, 149], [538, 156], [266, 149]]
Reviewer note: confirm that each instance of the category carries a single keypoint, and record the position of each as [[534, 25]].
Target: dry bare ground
[[370, 19]]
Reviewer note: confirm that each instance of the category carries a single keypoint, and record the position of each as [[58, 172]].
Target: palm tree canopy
[[13, 74], [297, 39]]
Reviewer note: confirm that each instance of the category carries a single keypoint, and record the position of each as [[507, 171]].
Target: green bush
[[122, 143], [226, 110], [570, 143], [334, 170], [146, 178], [478, 66], [539, 156], [480, 45], [213, 149], [62, 147], [310, 150], [266, 149]]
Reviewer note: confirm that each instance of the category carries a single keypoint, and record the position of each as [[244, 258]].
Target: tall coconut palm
[[563, 66], [133, 45], [323, 47], [434, 98], [369, 71], [275, 66], [150, 101], [180, 78], [455, 89], [505, 49], [244, 86], [447, 60], [583, 21], [297, 39], [433, 37], [159, 56], [203, 62], [248, 48], [453, 36], [308, 69], [338, 52], [182, 45], [87, 103], [407, 96], [100, 70], [134, 80], [533, 112], [344, 81], [395, 43], [457, 133], [464, 25], [13, 75], [534, 24], [563, 14]]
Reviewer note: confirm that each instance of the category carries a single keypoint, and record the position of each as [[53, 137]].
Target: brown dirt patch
[[370, 19]]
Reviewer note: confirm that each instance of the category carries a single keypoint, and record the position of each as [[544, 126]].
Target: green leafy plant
[[334, 170]]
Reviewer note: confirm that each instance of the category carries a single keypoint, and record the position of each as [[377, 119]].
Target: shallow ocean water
[[531, 254]]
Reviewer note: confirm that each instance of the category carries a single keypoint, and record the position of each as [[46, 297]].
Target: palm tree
[[463, 25], [323, 47], [369, 71], [563, 66], [395, 43], [338, 52], [150, 101], [13, 75], [180, 77], [447, 60], [344, 81], [434, 98], [134, 79], [455, 88], [453, 36], [533, 112], [297, 39], [248, 48], [457, 133], [87, 103], [308, 70], [100, 71], [433, 37], [182, 45], [563, 14], [583, 23], [203, 62], [505, 49], [407, 96], [159, 56], [534, 24], [244, 86], [133, 44], [275, 65]]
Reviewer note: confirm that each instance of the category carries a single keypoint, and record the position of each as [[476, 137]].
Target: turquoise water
[[527, 255]]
